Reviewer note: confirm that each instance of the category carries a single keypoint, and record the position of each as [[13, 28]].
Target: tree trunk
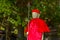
[[8, 32], [20, 33]]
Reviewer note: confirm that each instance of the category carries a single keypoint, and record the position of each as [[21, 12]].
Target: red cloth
[[34, 36], [36, 10], [35, 27], [40, 24]]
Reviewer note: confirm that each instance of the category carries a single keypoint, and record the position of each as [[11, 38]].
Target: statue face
[[35, 15]]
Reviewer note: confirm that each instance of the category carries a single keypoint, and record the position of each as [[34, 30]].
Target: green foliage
[[9, 10], [49, 9]]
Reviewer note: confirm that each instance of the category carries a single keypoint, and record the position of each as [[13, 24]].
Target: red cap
[[36, 10]]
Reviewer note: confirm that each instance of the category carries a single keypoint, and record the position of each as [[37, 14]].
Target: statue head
[[35, 13]]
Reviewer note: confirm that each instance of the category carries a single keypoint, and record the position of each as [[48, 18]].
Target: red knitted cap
[[36, 10]]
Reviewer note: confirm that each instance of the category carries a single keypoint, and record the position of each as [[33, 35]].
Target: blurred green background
[[15, 14]]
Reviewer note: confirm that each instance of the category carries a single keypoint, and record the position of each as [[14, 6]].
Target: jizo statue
[[36, 27]]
